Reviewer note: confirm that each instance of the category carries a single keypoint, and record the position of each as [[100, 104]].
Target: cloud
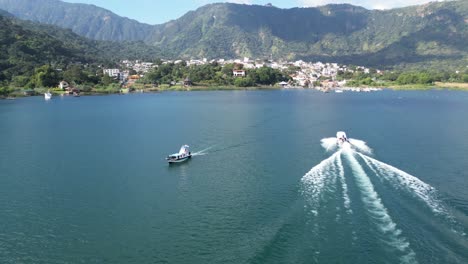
[[371, 4]]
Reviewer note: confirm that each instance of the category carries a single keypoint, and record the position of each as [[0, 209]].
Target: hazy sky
[[160, 11]]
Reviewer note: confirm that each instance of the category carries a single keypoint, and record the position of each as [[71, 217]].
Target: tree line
[[213, 74], [358, 78]]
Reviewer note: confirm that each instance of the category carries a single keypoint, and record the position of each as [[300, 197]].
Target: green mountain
[[23, 49], [86, 20], [431, 35], [435, 32], [26, 46]]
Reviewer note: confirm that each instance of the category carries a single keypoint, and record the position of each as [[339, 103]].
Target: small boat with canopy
[[183, 155], [48, 95]]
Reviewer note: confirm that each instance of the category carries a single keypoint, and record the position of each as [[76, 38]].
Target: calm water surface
[[83, 180]]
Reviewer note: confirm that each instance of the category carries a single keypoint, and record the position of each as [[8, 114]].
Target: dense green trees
[[5, 91], [26, 48], [244, 82], [35, 55], [267, 76], [413, 78], [44, 76], [402, 78], [213, 74]]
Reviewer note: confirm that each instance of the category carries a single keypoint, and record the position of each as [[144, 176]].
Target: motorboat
[[47, 95], [183, 155], [341, 138]]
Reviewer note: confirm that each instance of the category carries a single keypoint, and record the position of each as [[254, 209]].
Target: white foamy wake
[[319, 178], [360, 146], [344, 186], [329, 144], [407, 182], [379, 213], [201, 152]]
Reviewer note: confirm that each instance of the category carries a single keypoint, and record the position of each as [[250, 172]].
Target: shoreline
[[148, 90], [435, 86]]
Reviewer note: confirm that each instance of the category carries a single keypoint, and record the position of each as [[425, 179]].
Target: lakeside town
[[300, 74], [128, 76]]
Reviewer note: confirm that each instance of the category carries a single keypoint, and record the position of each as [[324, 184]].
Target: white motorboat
[[47, 95], [183, 155]]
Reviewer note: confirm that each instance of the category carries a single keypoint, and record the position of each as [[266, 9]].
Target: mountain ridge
[[416, 35], [93, 22], [28, 45]]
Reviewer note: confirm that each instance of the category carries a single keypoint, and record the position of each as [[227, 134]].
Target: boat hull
[[170, 161]]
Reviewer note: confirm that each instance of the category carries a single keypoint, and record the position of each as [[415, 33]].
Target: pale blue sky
[[160, 11]]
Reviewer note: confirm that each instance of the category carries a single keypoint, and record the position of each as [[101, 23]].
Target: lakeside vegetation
[[89, 79], [213, 75], [36, 57], [406, 80]]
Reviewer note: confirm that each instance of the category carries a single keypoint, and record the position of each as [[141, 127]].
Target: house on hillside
[[187, 82], [330, 84], [284, 84], [64, 85], [132, 79], [112, 72], [238, 73]]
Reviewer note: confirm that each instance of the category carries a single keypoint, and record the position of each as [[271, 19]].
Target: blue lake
[[84, 180]]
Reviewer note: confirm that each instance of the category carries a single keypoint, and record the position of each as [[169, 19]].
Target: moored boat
[[183, 155], [47, 95]]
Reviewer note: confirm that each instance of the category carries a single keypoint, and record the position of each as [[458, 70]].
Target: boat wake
[[318, 179], [407, 182], [329, 144], [351, 156], [202, 152], [216, 148], [377, 210]]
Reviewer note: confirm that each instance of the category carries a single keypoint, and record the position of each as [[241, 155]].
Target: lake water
[[84, 180]]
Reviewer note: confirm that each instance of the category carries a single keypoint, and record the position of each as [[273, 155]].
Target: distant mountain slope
[[431, 34], [86, 20], [23, 49], [26, 45], [342, 33], [5, 13], [245, 30]]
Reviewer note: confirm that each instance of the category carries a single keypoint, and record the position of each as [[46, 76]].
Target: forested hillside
[[27, 46], [432, 35]]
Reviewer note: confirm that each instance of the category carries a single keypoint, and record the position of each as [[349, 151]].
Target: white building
[[112, 72], [238, 73], [143, 66], [64, 85]]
